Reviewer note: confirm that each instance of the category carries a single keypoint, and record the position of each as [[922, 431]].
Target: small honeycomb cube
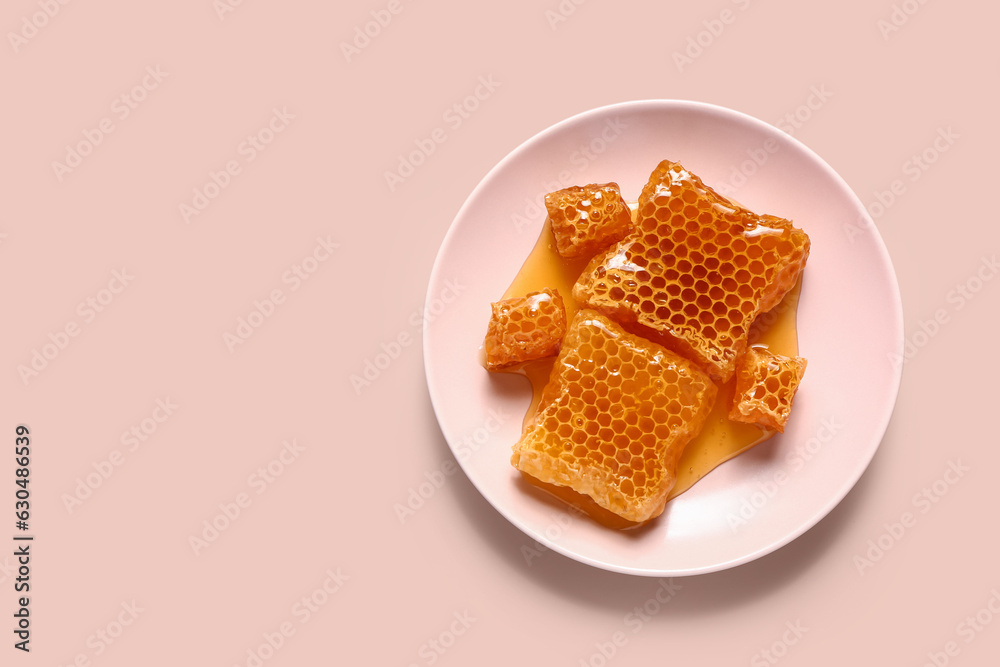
[[524, 329], [765, 388], [587, 219], [697, 270], [614, 418]]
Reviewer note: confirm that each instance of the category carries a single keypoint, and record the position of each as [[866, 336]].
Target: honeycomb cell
[[765, 388], [631, 475], [525, 328], [587, 219], [745, 260]]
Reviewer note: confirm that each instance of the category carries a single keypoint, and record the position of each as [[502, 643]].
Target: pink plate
[[759, 501]]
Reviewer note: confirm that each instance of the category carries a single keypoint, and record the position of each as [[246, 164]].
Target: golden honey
[[614, 418], [766, 383], [525, 328], [719, 440], [587, 219], [696, 272]]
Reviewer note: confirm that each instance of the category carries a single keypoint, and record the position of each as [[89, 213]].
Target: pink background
[[328, 509]]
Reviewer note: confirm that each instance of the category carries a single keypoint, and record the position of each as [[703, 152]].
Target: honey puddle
[[719, 441]]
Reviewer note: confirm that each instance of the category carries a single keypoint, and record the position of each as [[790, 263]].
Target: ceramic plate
[[849, 325]]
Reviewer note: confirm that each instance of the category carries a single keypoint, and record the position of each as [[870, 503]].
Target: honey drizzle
[[721, 439]]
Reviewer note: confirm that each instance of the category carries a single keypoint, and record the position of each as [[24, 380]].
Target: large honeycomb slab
[[587, 219], [614, 418], [524, 329], [697, 270], [765, 388]]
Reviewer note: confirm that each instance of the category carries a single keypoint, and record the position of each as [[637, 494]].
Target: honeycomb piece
[[614, 418], [525, 328], [696, 271], [765, 387], [587, 219]]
